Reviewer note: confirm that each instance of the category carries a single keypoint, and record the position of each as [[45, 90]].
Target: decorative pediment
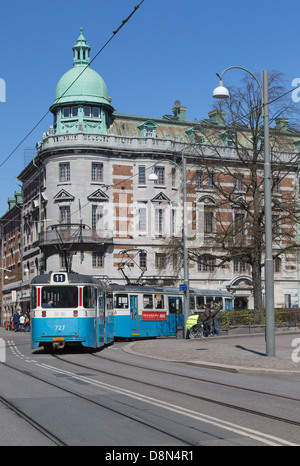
[[98, 196], [63, 195], [161, 197], [207, 200]]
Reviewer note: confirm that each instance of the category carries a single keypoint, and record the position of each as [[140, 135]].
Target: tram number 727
[[60, 328]]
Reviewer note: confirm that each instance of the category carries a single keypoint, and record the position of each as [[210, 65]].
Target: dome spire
[[81, 51]]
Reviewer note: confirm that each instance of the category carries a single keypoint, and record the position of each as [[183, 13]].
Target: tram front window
[[62, 297]]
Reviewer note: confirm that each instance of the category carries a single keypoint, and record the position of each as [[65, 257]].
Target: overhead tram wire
[[115, 32]]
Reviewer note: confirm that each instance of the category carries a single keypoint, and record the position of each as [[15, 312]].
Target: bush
[[290, 317]]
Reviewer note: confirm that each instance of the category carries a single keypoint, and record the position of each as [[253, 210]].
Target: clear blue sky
[[170, 50]]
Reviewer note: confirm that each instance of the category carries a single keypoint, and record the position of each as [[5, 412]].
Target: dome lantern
[[81, 51]]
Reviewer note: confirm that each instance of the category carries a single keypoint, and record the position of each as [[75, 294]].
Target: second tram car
[[146, 311], [200, 298], [152, 311], [70, 308]]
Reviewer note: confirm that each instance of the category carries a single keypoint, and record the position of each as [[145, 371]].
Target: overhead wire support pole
[[222, 92]]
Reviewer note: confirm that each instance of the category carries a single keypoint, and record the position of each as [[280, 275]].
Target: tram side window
[[159, 301], [121, 301], [192, 302], [89, 297], [148, 301], [200, 302]]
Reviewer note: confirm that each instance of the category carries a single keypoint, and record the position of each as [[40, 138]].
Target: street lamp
[[153, 177], [222, 93]]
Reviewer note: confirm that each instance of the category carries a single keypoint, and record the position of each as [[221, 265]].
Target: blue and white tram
[[146, 311], [80, 311], [200, 298]]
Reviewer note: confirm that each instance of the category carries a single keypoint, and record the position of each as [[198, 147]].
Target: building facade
[[87, 202]]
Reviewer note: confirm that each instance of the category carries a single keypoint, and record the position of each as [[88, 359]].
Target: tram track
[[42, 430], [195, 397], [59, 442]]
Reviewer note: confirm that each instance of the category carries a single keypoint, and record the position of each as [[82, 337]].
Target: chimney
[[282, 124], [217, 117], [179, 111]]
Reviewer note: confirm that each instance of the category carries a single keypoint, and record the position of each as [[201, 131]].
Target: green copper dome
[[88, 87], [81, 97], [81, 83]]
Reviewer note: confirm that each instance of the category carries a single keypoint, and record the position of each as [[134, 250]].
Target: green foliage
[[289, 317]]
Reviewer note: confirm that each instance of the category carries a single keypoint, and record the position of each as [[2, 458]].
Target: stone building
[[87, 202]]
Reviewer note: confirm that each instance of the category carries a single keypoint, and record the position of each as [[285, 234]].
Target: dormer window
[[148, 129]]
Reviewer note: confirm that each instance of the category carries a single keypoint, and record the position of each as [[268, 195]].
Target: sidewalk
[[237, 354]]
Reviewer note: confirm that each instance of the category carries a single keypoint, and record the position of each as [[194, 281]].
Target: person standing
[[216, 314], [16, 321]]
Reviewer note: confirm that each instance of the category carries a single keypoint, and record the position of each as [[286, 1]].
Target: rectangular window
[[160, 260], [208, 221], [98, 260], [199, 179], [121, 301], [276, 184], [142, 174], [97, 217], [210, 180], [66, 112], [87, 111], [97, 171], [239, 182], [65, 214], [159, 301], [159, 221], [142, 219], [160, 172], [173, 222], [143, 260], [64, 172], [95, 112], [148, 301], [74, 111]]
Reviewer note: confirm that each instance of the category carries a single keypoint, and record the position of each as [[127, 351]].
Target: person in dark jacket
[[16, 321]]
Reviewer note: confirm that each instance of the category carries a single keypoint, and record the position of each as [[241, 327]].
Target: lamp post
[[154, 177], [222, 93]]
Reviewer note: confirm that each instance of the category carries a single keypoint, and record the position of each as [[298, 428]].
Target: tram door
[[134, 315], [175, 314]]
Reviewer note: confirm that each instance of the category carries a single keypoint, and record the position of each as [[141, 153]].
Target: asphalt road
[[113, 398]]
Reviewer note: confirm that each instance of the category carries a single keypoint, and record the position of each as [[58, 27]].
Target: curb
[[215, 366]]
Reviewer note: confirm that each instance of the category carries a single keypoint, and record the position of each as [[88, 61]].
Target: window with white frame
[[64, 171], [97, 217], [97, 171], [98, 260], [159, 221], [65, 214], [142, 219], [208, 220], [160, 172], [142, 174]]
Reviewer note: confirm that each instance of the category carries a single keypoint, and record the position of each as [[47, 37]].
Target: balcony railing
[[74, 233]]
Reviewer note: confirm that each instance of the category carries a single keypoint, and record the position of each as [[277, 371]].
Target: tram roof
[[73, 278]]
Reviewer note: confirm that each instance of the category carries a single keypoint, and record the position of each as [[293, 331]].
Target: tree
[[230, 160]]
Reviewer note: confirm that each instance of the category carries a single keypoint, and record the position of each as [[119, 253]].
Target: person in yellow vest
[[191, 321]]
